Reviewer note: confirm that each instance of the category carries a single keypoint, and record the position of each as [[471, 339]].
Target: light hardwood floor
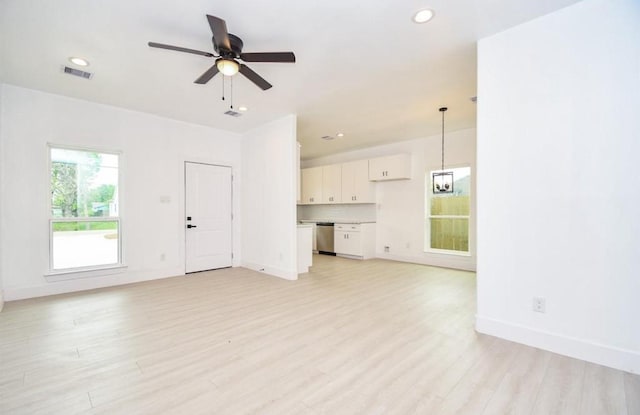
[[351, 337]]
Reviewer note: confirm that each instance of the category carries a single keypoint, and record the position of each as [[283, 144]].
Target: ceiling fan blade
[[220, 34], [205, 77], [179, 49], [288, 57], [254, 77]]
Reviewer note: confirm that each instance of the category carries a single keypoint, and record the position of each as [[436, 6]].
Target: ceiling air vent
[[77, 72], [327, 137], [233, 113]]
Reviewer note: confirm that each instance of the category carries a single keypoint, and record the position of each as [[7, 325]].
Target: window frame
[[428, 216], [54, 274]]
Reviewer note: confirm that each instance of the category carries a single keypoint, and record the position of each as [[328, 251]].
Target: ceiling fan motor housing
[[236, 47]]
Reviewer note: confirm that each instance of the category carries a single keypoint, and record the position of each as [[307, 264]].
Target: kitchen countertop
[[351, 221]]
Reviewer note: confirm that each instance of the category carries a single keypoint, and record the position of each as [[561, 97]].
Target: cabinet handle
[[310, 199]]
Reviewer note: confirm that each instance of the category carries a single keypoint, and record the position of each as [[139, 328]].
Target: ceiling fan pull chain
[[223, 87], [231, 92]]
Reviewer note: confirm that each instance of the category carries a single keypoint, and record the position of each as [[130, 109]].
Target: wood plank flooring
[[350, 337]]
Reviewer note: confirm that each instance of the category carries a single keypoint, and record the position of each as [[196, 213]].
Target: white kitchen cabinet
[[354, 240], [394, 167], [332, 183], [356, 186], [304, 248], [311, 186]]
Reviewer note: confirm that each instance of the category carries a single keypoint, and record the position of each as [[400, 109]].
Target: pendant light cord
[[442, 110]]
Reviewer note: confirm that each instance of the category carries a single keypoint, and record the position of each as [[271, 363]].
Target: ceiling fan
[[229, 51]]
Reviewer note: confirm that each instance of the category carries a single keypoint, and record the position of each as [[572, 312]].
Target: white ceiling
[[363, 67]]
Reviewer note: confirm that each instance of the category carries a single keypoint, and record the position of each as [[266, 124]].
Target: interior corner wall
[[1, 203], [154, 150], [269, 190], [558, 182], [400, 204]]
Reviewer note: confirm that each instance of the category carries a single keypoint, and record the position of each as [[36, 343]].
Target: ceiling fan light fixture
[[227, 67], [423, 16]]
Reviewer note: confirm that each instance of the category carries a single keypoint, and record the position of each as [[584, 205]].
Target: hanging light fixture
[[228, 67], [442, 180]]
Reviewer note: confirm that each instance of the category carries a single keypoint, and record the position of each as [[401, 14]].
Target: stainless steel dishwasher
[[324, 238]]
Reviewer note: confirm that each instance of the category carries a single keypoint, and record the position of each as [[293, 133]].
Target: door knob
[[191, 226]]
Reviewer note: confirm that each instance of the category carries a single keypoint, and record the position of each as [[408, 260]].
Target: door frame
[[184, 209]]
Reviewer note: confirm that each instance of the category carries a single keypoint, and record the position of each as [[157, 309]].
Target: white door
[[208, 217]]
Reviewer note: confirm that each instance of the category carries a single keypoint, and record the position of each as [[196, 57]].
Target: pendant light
[[442, 180]]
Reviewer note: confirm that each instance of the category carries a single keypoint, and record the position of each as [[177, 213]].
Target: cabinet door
[[340, 243], [390, 167], [364, 188], [312, 185], [332, 183], [377, 168], [356, 187], [348, 243]]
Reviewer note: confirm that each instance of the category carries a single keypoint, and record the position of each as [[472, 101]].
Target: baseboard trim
[[1, 300], [614, 357], [276, 272], [444, 261], [84, 284]]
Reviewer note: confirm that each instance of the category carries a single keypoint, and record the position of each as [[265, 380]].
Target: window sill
[[64, 275], [447, 252]]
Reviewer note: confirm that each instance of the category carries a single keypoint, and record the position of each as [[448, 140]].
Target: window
[[84, 224], [447, 216]]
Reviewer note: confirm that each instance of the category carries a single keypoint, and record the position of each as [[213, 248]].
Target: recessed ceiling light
[[423, 16], [79, 61], [243, 108], [340, 135]]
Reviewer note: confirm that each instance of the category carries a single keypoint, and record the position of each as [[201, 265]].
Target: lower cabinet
[[355, 239]]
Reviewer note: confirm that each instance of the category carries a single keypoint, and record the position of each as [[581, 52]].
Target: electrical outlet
[[386, 249], [539, 304]]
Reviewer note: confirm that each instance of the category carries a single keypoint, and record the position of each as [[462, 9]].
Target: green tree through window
[[85, 222]]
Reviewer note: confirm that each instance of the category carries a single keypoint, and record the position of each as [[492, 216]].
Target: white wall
[[558, 182], [1, 203], [401, 203], [269, 194], [154, 151]]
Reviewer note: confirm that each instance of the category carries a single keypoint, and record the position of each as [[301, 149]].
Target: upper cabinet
[[351, 182], [394, 167], [332, 183], [356, 187], [311, 185]]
